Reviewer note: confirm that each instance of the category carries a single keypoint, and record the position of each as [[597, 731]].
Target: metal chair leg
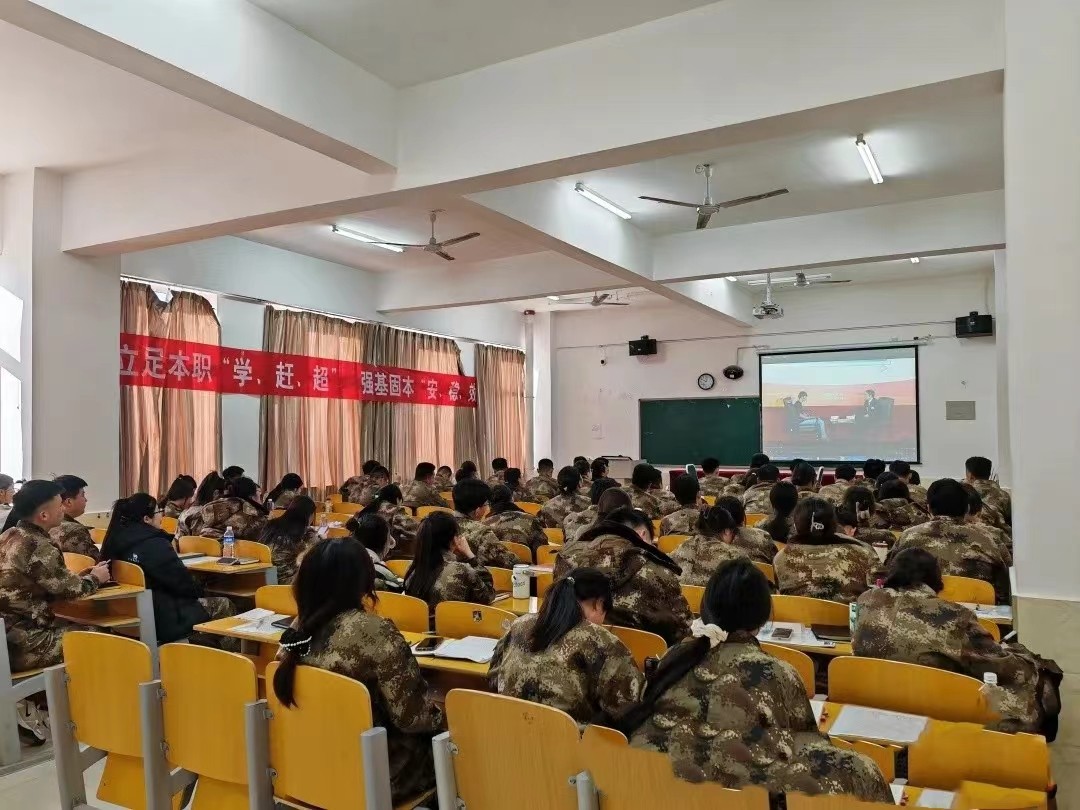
[[445, 783], [69, 770], [376, 757], [257, 737]]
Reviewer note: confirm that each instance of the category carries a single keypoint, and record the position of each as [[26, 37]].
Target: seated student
[[779, 526], [403, 526], [977, 473], [554, 511], [669, 504], [872, 468], [686, 490], [444, 479], [976, 517], [71, 535], [543, 486], [848, 525], [757, 461], [753, 540], [511, 523], [902, 470], [859, 500], [961, 549], [804, 477], [335, 631], [180, 496], [598, 469], [446, 569], [514, 484], [581, 464], [281, 496], [422, 491], [644, 579], [712, 483], [462, 474], [607, 496], [355, 485], [231, 473], [7, 492], [756, 498], [498, 471], [210, 489], [379, 478], [906, 621], [725, 711], [710, 546], [373, 532], [819, 561], [834, 493], [134, 535], [289, 536], [238, 509], [471, 498], [894, 507], [564, 657], [641, 486]]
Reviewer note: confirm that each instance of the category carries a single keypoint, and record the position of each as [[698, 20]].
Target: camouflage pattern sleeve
[[74, 537], [619, 682], [46, 568], [402, 686], [479, 584]]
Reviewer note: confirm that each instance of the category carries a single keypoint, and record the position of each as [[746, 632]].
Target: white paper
[[897, 792], [200, 559], [819, 708], [990, 611], [470, 648], [862, 723], [255, 614], [261, 622], [936, 798]]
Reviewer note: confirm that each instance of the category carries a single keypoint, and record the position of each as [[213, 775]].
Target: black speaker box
[[975, 325]]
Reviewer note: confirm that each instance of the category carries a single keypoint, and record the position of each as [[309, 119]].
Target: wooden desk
[[519, 607], [839, 648], [235, 580], [115, 608]]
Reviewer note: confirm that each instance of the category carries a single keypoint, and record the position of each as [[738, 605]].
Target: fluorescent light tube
[[868, 159], [603, 202], [369, 240], [553, 298], [914, 259], [787, 279]]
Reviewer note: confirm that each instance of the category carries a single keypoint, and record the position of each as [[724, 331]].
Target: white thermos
[[520, 581]]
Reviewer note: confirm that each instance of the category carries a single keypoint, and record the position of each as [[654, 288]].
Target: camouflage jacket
[[701, 555], [756, 499], [74, 537], [554, 511], [369, 649], [285, 551], [443, 483], [961, 550], [513, 526], [496, 478], [741, 718], [352, 489], [644, 580], [917, 627], [733, 489], [713, 485], [684, 521], [837, 571], [896, 513], [460, 581], [542, 488], [403, 528], [285, 499], [999, 536], [669, 504], [918, 495], [586, 672], [834, 493], [646, 501], [211, 521], [577, 522], [186, 521], [995, 498], [171, 510], [875, 536], [484, 543], [756, 542]]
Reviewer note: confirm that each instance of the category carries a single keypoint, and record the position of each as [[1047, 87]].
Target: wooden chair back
[[128, 573], [545, 555], [335, 498], [347, 508], [754, 518], [656, 528], [543, 584], [502, 579], [693, 594], [528, 506], [993, 797], [669, 542], [323, 518], [97, 535], [489, 731], [448, 496], [399, 567], [641, 643], [807, 611], [409, 614], [521, 551], [278, 598], [276, 513], [201, 545], [460, 619], [423, 511], [884, 756], [709, 499], [991, 628], [631, 778], [337, 532], [76, 563], [251, 549], [910, 688], [947, 754], [966, 589], [168, 525], [555, 536], [767, 570], [802, 662]]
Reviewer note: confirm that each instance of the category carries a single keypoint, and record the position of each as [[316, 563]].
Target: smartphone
[[427, 645], [282, 624], [781, 633]]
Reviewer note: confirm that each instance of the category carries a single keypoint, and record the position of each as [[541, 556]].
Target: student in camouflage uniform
[[860, 501], [819, 562], [834, 493], [608, 496], [711, 545], [210, 489], [444, 479], [978, 472], [755, 542], [33, 576], [895, 509], [848, 525], [289, 536], [756, 498], [581, 464], [598, 470], [961, 550], [379, 478], [512, 524], [712, 483], [71, 535], [7, 493], [421, 491], [237, 509], [643, 481], [686, 490], [373, 532], [554, 512], [724, 711], [564, 657], [783, 498], [334, 632], [906, 621], [902, 470], [403, 526], [748, 478], [516, 487], [804, 477], [543, 487], [644, 580], [446, 568], [180, 496], [471, 498], [498, 472], [977, 518], [354, 487]]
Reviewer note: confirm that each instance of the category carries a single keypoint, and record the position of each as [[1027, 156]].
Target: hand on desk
[[99, 573]]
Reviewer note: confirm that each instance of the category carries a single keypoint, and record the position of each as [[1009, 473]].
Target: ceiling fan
[[433, 245], [599, 300], [706, 209], [801, 281]]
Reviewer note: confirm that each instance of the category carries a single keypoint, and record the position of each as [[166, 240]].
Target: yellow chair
[[693, 595], [543, 584], [656, 528], [807, 611], [168, 525], [278, 598], [276, 513], [803, 664], [779, 546], [546, 555], [399, 567], [884, 756], [641, 643], [323, 518], [966, 589], [947, 754], [669, 542], [335, 498], [409, 614], [754, 518], [338, 532], [253, 550], [423, 511], [910, 688], [98, 536], [502, 579], [528, 506], [555, 536], [631, 778], [992, 797], [77, 563], [709, 499], [193, 544], [800, 801], [767, 570], [461, 619], [347, 508], [521, 551], [448, 496], [991, 628], [128, 574]]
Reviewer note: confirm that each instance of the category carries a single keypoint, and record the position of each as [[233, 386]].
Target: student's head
[[642, 476], [499, 464], [975, 501], [611, 500], [380, 476], [913, 478], [391, 493], [710, 465], [444, 472], [737, 598], [901, 469], [758, 460], [470, 466], [471, 497], [368, 466], [73, 494], [633, 519], [7, 489], [569, 480], [815, 520], [290, 482], [461, 474], [37, 502], [913, 568], [598, 468], [583, 595], [686, 489], [894, 489], [860, 500], [545, 466], [210, 489], [803, 396], [181, 492], [581, 464], [882, 480], [946, 498], [716, 521], [513, 477], [734, 507], [870, 393], [845, 472], [243, 488], [847, 521], [336, 575], [425, 471], [803, 475], [139, 508], [502, 500], [295, 520], [433, 541], [872, 468], [768, 473], [231, 473], [795, 462], [599, 486], [783, 498], [373, 532], [978, 468]]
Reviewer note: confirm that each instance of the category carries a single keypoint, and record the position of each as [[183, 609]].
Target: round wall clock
[[706, 381]]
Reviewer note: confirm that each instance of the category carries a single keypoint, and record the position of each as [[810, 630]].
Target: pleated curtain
[[500, 382]]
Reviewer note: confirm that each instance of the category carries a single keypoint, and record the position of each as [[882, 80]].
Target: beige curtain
[[500, 382], [466, 433], [165, 432], [319, 439]]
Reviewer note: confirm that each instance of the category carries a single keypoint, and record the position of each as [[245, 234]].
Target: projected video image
[[840, 405]]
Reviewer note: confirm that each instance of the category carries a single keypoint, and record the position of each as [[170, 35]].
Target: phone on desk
[[282, 624], [236, 560], [427, 646], [780, 634]]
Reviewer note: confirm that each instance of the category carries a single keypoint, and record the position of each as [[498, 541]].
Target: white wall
[[241, 328], [587, 393]]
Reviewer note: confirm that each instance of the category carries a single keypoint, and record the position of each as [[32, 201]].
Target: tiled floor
[[34, 788]]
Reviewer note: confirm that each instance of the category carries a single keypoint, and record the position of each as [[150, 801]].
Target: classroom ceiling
[[447, 38]]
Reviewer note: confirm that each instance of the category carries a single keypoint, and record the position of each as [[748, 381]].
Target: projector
[[768, 310]]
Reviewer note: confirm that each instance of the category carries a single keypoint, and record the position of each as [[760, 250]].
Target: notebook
[[877, 724], [470, 648]]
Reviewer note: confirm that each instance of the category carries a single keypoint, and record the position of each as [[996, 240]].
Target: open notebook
[[470, 648]]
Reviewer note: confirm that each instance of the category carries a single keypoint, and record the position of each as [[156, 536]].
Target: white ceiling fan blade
[[670, 202], [459, 239]]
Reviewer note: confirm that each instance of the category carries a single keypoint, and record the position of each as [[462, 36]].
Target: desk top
[[519, 607], [218, 568], [115, 592]]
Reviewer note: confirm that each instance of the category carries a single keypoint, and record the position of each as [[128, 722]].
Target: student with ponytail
[[335, 631], [289, 535], [751, 539], [446, 569], [209, 490], [564, 657], [511, 523], [387, 504], [180, 496], [711, 545], [240, 509], [767, 732], [288, 488], [783, 498], [860, 501], [554, 512]]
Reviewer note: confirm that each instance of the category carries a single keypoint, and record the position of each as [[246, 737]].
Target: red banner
[[166, 363]]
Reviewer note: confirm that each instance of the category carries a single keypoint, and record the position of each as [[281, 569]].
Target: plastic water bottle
[[228, 543], [990, 678], [269, 504], [519, 580], [853, 617]]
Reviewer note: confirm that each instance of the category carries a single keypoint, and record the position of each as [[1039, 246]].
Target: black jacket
[[176, 593]]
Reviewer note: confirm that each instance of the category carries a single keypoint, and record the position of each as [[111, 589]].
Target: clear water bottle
[[269, 504], [228, 543], [853, 617]]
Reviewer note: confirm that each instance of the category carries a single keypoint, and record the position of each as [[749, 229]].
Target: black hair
[[461, 474], [391, 493], [599, 467], [914, 478], [631, 518], [245, 489], [71, 485], [579, 458], [335, 576], [686, 489], [749, 478], [900, 467], [860, 500], [872, 468], [499, 463], [294, 521], [599, 486], [31, 497], [369, 465], [470, 494], [714, 520], [545, 464], [444, 467], [130, 510], [802, 394], [6, 482], [758, 460], [783, 498], [846, 517], [657, 477], [380, 472], [433, 541], [210, 489], [845, 472], [815, 521], [803, 475], [502, 500], [229, 473], [947, 498], [734, 507], [568, 479], [611, 500], [290, 482], [710, 465], [581, 464], [913, 567], [975, 501], [512, 477], [371, 530], [871, 392], [561, 611], [470, 466], [768, 473], [979, 466], [795, 462], [894, 488], [182, 488], [642, 476], [425, 469]]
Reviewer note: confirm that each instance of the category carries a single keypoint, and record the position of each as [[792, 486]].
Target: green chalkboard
[[684, 431]]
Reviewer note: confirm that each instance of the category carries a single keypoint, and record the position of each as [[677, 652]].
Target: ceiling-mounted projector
[[768, 310]]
